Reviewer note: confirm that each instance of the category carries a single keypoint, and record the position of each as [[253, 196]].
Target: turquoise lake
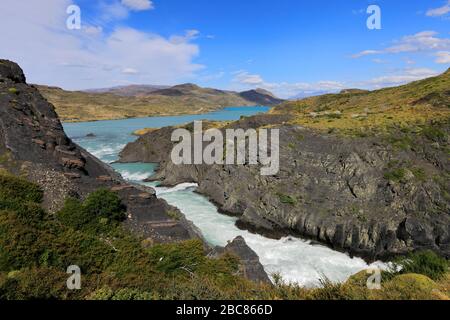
[[295, 259]]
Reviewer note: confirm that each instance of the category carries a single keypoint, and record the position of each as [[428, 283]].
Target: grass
[[287, 199], [175, 215], [426, 263], [396, 174], [356, 112], [13, 91]]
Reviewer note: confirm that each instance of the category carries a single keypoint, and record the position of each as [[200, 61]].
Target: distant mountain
[[261, 97], [128, 91], [307, 94], [148, 100], [189, 89]]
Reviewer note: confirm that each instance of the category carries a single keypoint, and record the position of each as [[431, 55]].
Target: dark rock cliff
[[261, 97], [33, 144], [360, 195], [250, 266]]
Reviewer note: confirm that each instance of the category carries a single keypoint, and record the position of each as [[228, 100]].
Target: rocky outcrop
[[33, 144], [261, 97], [361, 195], [250, 266]]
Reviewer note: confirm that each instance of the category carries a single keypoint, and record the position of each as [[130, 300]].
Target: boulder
[[250, 267]]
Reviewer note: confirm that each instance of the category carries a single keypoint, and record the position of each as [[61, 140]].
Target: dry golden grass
[[418, 102], [75, 106]]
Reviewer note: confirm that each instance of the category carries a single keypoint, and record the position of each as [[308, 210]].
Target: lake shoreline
[[197, 112]]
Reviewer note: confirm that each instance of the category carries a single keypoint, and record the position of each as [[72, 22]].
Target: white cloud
[[111, 11], [130, 71], [443, 57], [244, 80], [78, 59], [398, 78], [138, 5], [437, 12], [422, 41], [188, 36], [92, 30], [365, 53]]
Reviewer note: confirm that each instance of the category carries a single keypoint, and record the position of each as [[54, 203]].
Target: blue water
[[111, 136], [295, 259]]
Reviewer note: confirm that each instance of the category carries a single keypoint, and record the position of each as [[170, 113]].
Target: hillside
[[417, 102], [261, 96], [145, 101], [362, 172], [129, 91]]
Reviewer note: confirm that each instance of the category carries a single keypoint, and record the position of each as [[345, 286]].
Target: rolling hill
[[414, 103], [146, 101]]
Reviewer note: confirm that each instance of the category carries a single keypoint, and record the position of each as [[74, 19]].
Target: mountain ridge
[[146, 101]]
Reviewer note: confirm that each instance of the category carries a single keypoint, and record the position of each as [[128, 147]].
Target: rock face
[[261, 97], [33, 144], [250, 266], [359, 195]]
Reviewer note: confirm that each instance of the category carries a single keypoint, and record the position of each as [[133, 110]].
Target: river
[[296, 260]]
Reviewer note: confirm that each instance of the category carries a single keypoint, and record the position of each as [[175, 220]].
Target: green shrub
[[402, 142], [105, 204], [74, 215], [96, 213], [13, 91], [21, 197], [426, 263], [395, 175], [419, 173], [182, 257], [434, 134], [286, 199], [17, 188]]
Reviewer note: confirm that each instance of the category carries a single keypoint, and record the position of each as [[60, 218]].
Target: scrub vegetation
[[36, 248]]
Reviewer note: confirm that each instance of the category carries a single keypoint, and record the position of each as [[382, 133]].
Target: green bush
[[395, 175], [29, 212], [13, 91], [12, 187], [434, 133], [426, 263], [105, 204], [21, 197], [99, 209], [286, 199], [178, 258], [74, 215]]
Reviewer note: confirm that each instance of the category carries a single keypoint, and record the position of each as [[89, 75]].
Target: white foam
[[295, 259], [107, 150], [134, 176], [177, 188]]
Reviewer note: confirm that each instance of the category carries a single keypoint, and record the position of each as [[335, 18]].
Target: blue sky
[[286, 46]]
